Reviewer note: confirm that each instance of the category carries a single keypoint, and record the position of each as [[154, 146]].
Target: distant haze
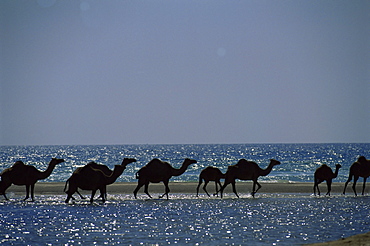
[[131, 72]]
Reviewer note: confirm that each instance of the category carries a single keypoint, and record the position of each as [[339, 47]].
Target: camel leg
[[363, 186], [217, 190], [81, 196], [69, 196], [345, 185], [139, 185], [234, 189], [146, 189], [316, 185], [354, 184], [205, 187], [3, 187], [92, 196], [328, 183], [136, 190], [103, 193], [167, 189], [27, 192], [5, 197], [71, 190], [200, 182], [259, 186], [32, 192], [222, 189], [254, 187]]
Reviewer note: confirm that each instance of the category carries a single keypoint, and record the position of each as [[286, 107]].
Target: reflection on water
[[267, 220], [298, 161]]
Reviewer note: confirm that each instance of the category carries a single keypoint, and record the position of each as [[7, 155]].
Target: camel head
[[188, 162], [55, 161], [127, 161], [338, 166], [274, 162]]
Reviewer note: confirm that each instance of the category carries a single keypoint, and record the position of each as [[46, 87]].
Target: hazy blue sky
[[176, 71]]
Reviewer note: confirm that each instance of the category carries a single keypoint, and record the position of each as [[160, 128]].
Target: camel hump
[[210, 168], [363, 160], [92, 163], [18, 164], [324, 167], [245, 163], [157, 163], [95, 165]]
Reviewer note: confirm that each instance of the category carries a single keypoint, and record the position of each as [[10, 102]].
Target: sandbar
[[57, 188]]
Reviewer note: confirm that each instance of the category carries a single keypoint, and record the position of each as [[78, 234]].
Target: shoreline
[[42, 188]]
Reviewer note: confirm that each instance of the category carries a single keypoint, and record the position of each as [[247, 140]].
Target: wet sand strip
[[57, 188]]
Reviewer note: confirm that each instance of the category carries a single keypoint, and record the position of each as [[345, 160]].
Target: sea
[[267, 219]]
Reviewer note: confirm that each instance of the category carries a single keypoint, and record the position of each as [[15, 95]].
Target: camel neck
[[265, 172], [45, 174], [178, 172], [117, 171], [336, 172]]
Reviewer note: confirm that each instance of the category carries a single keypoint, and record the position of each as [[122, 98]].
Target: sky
[[184, 72]]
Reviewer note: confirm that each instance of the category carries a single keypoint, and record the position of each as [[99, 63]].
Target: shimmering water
[[267, 220], [298, 161]]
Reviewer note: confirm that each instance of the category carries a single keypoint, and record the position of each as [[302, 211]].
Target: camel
[[156, 171], [21, 174], [360, 168], [324, 173], [90, 178], [246, 170], [210, 174], [104, 169]]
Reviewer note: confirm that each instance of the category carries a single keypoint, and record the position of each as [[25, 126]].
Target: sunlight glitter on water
[[298, 161], [269, 219]]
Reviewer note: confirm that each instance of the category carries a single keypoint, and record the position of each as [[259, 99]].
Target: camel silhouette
[[210, 174], [246, 170], [156, 171], [89, 178], [104, 169], [324, 173], [360, 168], [21, 174]]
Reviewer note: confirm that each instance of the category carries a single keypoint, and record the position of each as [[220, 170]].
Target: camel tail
[[137, 175]]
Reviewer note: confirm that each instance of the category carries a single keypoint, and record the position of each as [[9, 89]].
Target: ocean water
[[298, 161], [268, 219]]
